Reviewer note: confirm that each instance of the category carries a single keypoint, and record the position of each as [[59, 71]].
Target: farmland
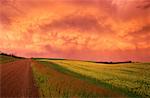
[[51, 78], [132, 79], [53, 83]]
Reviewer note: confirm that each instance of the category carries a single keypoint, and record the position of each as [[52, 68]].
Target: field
[[130, 79], [54, 83], [58, 78]]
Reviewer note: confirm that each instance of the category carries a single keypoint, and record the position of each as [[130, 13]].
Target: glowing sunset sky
[[104, 30]]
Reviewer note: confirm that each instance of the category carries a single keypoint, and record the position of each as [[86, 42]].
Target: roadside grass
[[53, 82], [6, 59], [41, 81]]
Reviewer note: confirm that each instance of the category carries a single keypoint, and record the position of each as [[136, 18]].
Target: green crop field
[[130, 79], [54, 83]]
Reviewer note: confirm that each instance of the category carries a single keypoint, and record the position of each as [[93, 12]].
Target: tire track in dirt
[[16, 80]]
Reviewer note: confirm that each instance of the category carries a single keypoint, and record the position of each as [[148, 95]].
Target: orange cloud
[[77, 29]]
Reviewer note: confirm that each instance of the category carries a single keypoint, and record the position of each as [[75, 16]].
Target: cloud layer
[[111, 30]]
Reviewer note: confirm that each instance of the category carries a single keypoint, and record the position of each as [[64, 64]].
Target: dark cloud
[[144, 5], [144, 30], [140, 36], [87, 23], [82, 2], [8, 12], [102, 5], [5, 19], [50, 49]]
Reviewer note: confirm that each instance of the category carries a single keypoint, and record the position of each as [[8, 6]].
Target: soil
[[16, 80]]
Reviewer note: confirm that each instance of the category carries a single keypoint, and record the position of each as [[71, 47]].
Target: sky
[[99, 30]]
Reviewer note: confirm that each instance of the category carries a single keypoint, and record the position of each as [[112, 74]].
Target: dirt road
[[16, 80]]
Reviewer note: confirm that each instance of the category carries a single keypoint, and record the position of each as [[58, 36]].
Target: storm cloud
[[76, 29]]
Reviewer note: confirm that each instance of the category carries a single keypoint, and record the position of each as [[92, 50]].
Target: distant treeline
[[49, 58], [12, 55], [115, 62]]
